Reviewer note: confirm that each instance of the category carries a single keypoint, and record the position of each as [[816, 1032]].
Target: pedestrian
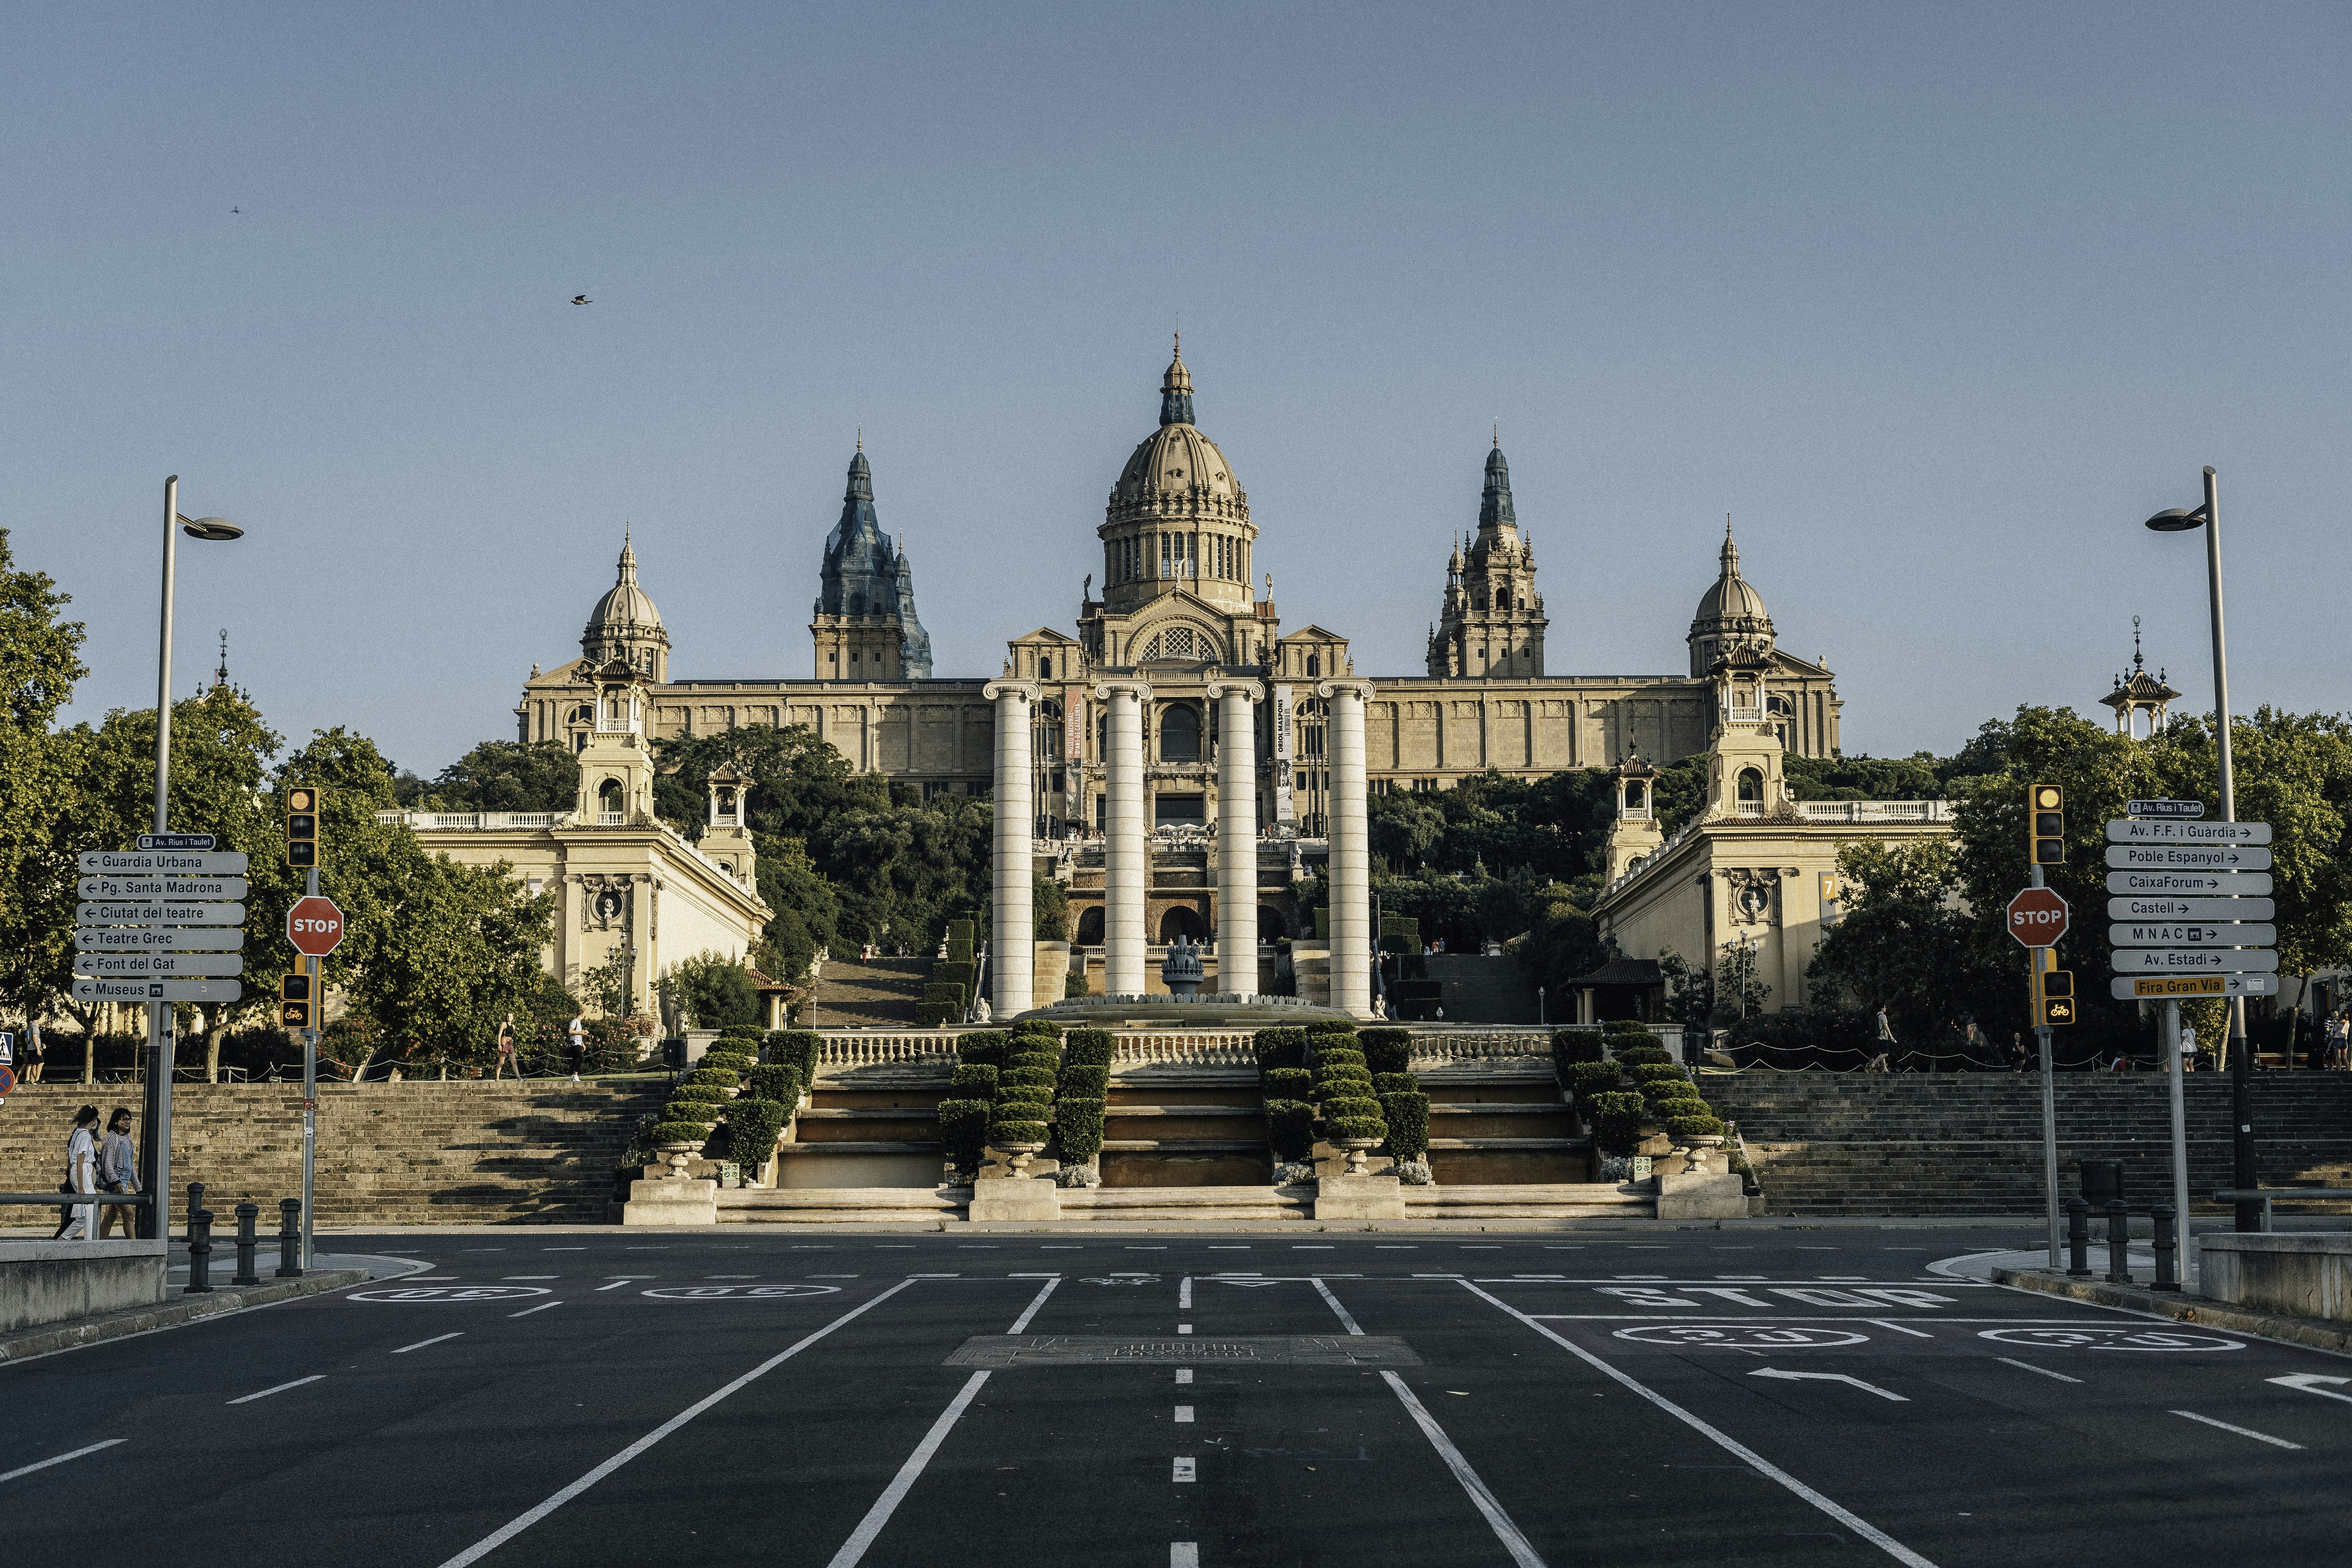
[[81, 1176], [2339, 1035], [2188, 1046], [34, 1053], [1883, 1060], [578, 1030], [506, 1057], [117, 1172], [2017, 1051]]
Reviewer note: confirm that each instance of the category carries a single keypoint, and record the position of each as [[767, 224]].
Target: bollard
[[196, 1202], [2078, 1239], [199, 1252], [2168, 1243], [290, 1239], [244, 1243], [2119, 1243]]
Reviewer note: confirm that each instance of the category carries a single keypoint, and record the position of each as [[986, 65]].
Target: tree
[[1049, 909], [500, 775], [40, 659], [459, 948], [1403, 830], [1905, 943], [715, 991]]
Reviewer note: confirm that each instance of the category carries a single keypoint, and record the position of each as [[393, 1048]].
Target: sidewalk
[[2180, 1307], [332, 1271]]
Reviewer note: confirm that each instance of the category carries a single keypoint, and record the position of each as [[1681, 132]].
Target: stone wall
[[408, 1154]]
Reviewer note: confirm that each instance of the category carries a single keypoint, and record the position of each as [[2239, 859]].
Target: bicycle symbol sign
[[738, 1292]]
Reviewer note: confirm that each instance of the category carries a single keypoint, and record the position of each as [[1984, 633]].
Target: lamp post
[[156, 1126], [2242, 1086]]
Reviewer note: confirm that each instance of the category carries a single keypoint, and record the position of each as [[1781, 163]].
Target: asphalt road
[[1788, 1397]]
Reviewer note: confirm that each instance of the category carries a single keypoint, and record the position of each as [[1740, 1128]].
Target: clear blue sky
[[1937, 301]]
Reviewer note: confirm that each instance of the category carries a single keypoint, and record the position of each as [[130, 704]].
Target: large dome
[[625, 604], [1731, 603], [1176, 458]]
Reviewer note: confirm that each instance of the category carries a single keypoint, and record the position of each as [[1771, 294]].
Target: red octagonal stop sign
[[2037, 917], [314, 926]]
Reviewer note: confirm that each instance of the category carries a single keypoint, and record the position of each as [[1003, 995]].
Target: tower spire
[[1176, 389]]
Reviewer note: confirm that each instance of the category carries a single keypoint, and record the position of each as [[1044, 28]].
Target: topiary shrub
[[1078, 1123], [711, 1092], [1046, 1026], [734, 1061], [751, 1129], [1040, 1077], [1640, 1056], [1033, 1061], [669, 1132], [1650, 1072], [984, 1045], [1673, 1099], [1616, 1121], [1086, 1082], [973, 1080], [1388, 1083], [1576, 1044], [1289, 1083], [1075, 985], [1334, 1055], [1695, 1127], [1088, 1048], [952, 974], [798, 1049], [1407, 1115], [945, 997], [1280, 1049], [1593, 1078], [1001, 1131], [777, 1082], [725, 1077], [1037, 1094], [1330, 1026], [1289, 1128], [1387, 1050], [1342, 1082], [963, 1128]]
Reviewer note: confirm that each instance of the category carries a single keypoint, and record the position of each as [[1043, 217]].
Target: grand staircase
[[1970, 1143], [881, 995]]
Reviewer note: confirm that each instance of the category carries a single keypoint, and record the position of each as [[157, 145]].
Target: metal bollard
[[290, 1239], [2078, 1239], [2119, 1243], [199, 1252], [196, 1202], [244, 1243], [2168, 1266]]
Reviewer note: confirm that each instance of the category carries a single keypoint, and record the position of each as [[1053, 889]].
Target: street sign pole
[[2170, 1046], [2037, 959], [310, 1091]]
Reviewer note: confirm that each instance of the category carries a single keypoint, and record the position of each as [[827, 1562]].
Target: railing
[[1734, 713], [1634, 814], [1485, 1045], [612, 819], [866, 1048], [1207, 1048], [470, 821], [1875, 810], [1749, 807]]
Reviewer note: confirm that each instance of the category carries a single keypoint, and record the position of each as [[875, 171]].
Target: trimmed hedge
[[1088, 1048], [1039, 1026], [1334, 1056], [1593, 1078], [1289, 1083], [751, 1129], [1043, 1078], [1639, 1055], [1417, 1000], [1576, 1044], [950, 973], [1331, 1027], [1280, 1049], [946, 994], [678, 1132], [734, 1061], [1086, 1082], [1695, 1127], [984, 1045], [1387, 1050], [714, 1093], [973, 1080], [725, 1077], [777, 1082], [1616, 1121], [796, 1049], [1033, 1061], [964, 1127], [1289, 1127], [1407, 1115], [1003, 1133], [1388, 1083], [1336, 1081], [1651, 1072], [1037, 1094], [1624, 1027], [1078, 1123]]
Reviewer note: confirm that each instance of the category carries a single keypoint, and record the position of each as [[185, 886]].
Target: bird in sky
[[236, 209], [581, 300]]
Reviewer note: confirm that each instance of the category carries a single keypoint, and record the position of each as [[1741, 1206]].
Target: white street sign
[[163, 863], [2196, 960], [164, 888], [2162, 806], [89, 990], [2181, 987], [159, 939], [2162, 933], [160, 914], [2173, 908], [184, 964], [2136, 830], [2187, 857], [2227, 884]]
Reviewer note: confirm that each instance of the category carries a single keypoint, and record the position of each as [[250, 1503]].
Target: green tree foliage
[[40, 659], [499, 775], [715, 991], [1050, 911], [1904, 943]]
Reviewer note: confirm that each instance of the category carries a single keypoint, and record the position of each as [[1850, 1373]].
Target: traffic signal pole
[[310, 1090], [2037, 959]]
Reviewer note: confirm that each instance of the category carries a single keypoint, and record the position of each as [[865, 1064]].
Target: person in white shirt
[[80, 1222], [578, 1030], [2188, 1046]]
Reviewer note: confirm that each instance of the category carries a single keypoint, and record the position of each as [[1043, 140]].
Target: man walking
[[578, 1030], [81, 1176], [1883, 1061], [34, 1055], [506, 1057], [117, 1172]]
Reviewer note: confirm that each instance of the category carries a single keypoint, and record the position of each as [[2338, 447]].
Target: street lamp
[[2181, 519], [155, 1130]]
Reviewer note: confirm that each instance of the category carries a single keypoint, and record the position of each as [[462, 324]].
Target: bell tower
[[616, 763]]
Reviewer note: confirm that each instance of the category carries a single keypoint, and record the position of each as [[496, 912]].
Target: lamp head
[[216, 529], [2178, 519]]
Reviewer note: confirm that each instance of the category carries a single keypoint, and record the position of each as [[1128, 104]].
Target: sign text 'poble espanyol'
[[2187, 857]]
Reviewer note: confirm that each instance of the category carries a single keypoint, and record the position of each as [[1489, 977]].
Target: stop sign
[[314, 926], [2037, 917]]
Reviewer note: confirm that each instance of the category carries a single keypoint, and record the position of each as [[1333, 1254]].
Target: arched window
[[1502, 598], [1752, 787], [1182, 920], [1180, 735], [1046, 669], [1314, 666], [1091, 926], [609, 797], [857, 603]]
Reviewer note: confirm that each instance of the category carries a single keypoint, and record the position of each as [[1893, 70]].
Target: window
[[1044, 669], [856, 604], [1502, 598], [1314, 666], [1180, 735], [1752, 787]]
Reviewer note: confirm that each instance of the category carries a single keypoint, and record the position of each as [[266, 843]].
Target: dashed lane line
[[279, 1389], [1183, 1468], [2029, 1366], [2240, 1431], [59, 1459], [526, 1311], [1183, 1554], [433, 1341]]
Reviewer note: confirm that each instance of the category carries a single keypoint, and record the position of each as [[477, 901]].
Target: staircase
[[1205, 1128], [877, 995], [1481, 990], [1970, 1143]]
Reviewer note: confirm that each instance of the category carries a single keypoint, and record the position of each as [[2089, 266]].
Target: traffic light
[[2045, 830], [2057, 998], [302, 828], [294, 1001]]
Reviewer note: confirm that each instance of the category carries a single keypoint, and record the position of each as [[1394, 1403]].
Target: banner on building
[[1074, 741], [1283, 809]]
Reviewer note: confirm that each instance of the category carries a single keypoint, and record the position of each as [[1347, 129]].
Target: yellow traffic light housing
[[294, 1001], [2045, 824], [2057, 999], [302, 828]]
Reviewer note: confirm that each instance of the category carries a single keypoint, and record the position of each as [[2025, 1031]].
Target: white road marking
[[2029, 1366], [1022, 1321], [279, 1389], [59, 1459], [1184, 1414], [627, 1280], [1829, 1377], [868, 1527], [2308, 1383], [1346, 1320], [526, 1311], [530, 1276], [1183, 1375], [1183, 1554], [433, 1341], [1184, 1295], [563, 1249], [1183, 1328], [1915, 1334], [1730, 1445], [1183, 1470], [2240, 1431], [523, 1521]]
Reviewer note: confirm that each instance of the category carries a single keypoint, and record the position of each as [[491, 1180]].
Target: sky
[[1938, 303]]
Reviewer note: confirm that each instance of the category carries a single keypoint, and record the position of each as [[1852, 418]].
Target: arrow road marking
[[1829, 1377], [2308, 1382]]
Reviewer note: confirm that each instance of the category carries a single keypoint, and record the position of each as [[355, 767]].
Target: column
[[1126, 869], [1237, 832], [1012, 952], [1352, 886]]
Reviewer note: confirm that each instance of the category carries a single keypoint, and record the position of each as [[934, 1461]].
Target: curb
[[169, 1313], [2312, 1333]]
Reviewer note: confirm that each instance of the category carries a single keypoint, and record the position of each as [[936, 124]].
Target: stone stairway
[[1480, 990], [1953, 1143], [875, 1127], [1205, 1128], [877, 995]]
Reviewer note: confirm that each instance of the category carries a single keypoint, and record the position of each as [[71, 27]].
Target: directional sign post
[[162, 863]]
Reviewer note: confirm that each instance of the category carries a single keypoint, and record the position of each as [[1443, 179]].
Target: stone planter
[[1021, 1154], [1357, 1149]]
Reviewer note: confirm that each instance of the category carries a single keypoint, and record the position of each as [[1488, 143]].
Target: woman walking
[[506, 1057], [117, 1172], [81, 1176]]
